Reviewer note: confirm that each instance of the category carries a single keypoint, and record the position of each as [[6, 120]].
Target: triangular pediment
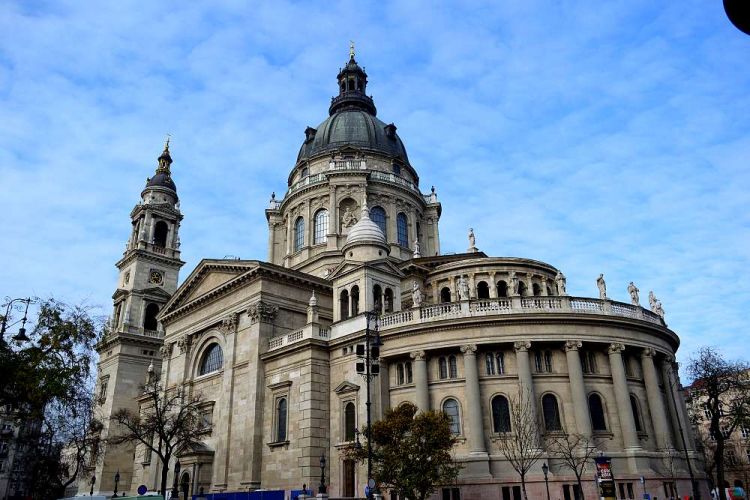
[[207, 277], [345, 387], [383, 265], [157, 292]]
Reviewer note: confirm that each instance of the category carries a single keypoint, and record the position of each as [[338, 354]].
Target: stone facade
[[342, 241]]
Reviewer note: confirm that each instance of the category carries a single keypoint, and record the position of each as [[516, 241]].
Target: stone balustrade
[[516, 305], [308, 332]]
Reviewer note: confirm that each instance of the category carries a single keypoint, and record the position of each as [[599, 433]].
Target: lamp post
[[545, 471], [369, 369], [175, 491], [93, 481], [9, 304], [322, 487], [117, 480]]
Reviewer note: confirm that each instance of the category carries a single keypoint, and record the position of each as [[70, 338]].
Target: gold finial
[[166, 144], [351, 49]]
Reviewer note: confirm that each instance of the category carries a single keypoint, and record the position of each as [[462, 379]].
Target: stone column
[[435, 293], [577, 388], [493, 286], [677, 408], [525, 383], [622, 396], [472, 287], [289, 224], [655, 401], [420, 380], [473, 400]]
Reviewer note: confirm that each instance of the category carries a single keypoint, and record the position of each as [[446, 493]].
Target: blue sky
[[610, 139]]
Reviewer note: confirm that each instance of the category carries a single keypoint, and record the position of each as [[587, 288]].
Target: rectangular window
[[548, 361], [543, 361], [495, 362], [500, 362], [490, 362], [571, 492], [511, 493], [451, 494], [588, 362], [409, 377], [538, 361], [627, 360]]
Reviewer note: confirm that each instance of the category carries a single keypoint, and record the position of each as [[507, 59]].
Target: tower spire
[[351, 49], [165, 159]]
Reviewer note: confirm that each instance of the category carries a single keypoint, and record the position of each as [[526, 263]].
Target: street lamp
[[21, 335], [322, 487], [175, 491], [545, 471], [369, 369], [93, 481], [357, 444], [117, 480]]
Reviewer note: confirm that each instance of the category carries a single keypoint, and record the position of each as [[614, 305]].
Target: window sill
[[603, 434], [207, 376], [500, 436], [344, 445], [278, 444]]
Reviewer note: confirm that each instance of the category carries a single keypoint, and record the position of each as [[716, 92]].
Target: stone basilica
[[270, 345]]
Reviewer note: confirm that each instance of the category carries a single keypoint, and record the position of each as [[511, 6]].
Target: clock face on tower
[[156, 277]]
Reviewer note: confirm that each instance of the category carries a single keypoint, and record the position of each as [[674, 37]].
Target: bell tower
[[148, 273]]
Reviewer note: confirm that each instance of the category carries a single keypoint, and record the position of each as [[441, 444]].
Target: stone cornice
[[118, 338], [131, 255], [161, 208]]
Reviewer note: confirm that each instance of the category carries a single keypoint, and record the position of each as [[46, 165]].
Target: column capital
[[573, 345], [522, 345], [418, 355], [616, 348], [469, 349], [648, 352], [669, 359]]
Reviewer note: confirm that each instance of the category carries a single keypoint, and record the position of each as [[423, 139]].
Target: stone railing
[[393, 179], [516, 305], [153, 333], [308, 332], [307, 181], [350, 164]]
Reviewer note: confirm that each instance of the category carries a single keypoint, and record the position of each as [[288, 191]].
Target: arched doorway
[[348, 490], [185, 485]]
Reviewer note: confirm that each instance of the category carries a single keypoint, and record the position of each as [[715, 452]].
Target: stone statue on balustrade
[[651, 300], [416, 253], [416, 294], [602, 285], [463, 289], [634, 297], [472, 241], [560, 282], [655, 304], [348, 219], [513, 284]]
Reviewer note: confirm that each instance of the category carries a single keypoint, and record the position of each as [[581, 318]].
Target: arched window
[[299, 234], [377, 215], [500, 414], [355, 300], [445, 295], [450, 407], [452, 367], [377, 297], [388, 302], [551, 413], [281, 420], [536, 289], [350, 421], [212, 361], [321, 227], [344, 303], [304, 173], [402, 226], [483, 290], [636, 413], [502, 289], [522, 291], [149, 319], [443, 367], [161, 229], [596, 410]]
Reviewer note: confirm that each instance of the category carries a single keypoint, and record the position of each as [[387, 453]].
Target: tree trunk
[[164, 472], [580, 488], [523, 487]]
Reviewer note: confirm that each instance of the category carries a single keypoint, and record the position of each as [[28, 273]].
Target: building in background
[[271, 344]]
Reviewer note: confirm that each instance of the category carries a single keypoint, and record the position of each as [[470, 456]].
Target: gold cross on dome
[[351, 49]]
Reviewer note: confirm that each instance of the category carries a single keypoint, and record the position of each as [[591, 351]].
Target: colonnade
[[660, 416]]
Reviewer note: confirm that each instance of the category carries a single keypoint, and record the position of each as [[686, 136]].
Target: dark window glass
[[500, 414], [403, 231], [450, 407], [377, 215], [344, 303], [551, 413], [213, 359], [355, 300], [408, 372], [452, 367], [281, 420], [445, 295], [299, 234], [350, 421], [636, 413], [483, 290], [596, 410], [443, 367], [161, 229], [502, 289], [149, 321]]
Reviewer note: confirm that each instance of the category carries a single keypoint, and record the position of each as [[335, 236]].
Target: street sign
[[142, 489]]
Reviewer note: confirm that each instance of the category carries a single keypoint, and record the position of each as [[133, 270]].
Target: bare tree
[[720, 389], [168, 422], [574, 451], [520, 446]]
